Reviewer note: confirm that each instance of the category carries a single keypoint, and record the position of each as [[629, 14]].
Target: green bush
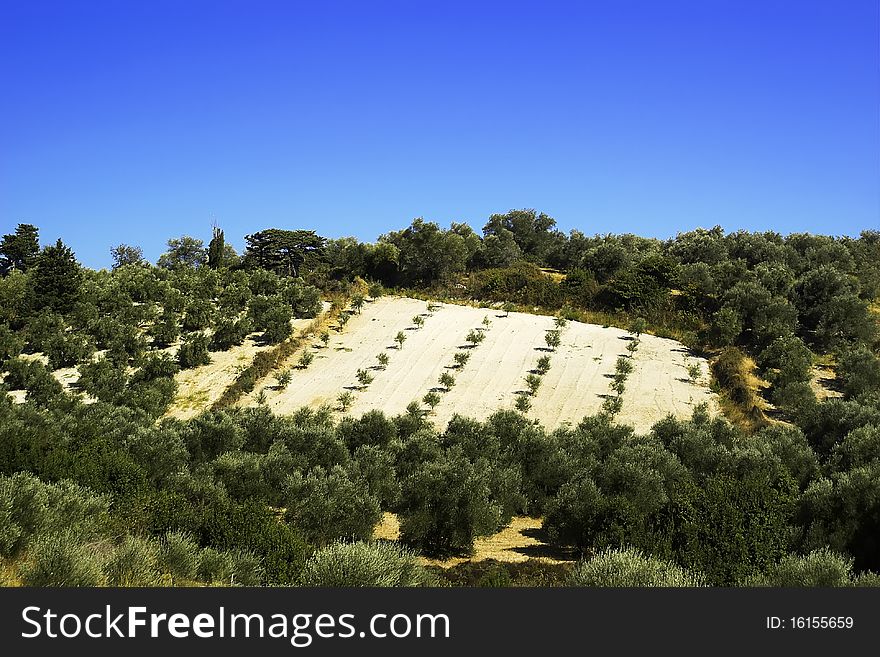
[[365, 564], [59, 559], [229, 333], [445, 504], [858, 371], [102, 379], [198, 316], [132, 563], [178, 555], [194, 351], [629, 567], [33, 508], [818, 568], [330, 505], [11, 343], [247, 568], [67, 349], [215, 566], [165, 330]]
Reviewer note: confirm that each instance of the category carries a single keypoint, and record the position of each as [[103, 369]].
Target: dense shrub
[[132, 563], [445, 504], [178, 555], [330, 505], [364, 564], [194, 351], [818, 568], [59, 559], [628, 567], [858, 372], [35, 378], [229, 333]]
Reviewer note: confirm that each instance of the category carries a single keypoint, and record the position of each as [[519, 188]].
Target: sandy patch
[[521, 540], [199, 387]]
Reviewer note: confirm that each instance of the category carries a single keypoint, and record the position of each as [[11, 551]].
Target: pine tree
[[19, 250], [57, 278], [216, 248]]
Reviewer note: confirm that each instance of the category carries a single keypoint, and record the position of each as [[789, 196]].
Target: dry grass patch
[[523, 539]]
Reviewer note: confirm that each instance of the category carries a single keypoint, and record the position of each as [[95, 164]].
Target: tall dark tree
[[20, 249], [216, 249], [282, 251], [57, 278]]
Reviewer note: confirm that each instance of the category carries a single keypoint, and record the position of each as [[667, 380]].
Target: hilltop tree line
[[242, 496]]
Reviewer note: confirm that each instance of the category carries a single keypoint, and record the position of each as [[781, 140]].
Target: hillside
[[578, 381]]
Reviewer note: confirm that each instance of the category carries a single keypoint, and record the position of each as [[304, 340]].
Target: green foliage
[[102, 379], [365, 564], [475, 337], [59, 559], [183, 253], [329, 505], [400, 338], [552, 339], [216, 248], [431, 399], [166, 329], [543, 365], [461, 358], [284, 378], [43, 328], [31, 375], [133, 563], [364, 377], [257, 544], [31, 508], [821, 567], [623, 366], [198, 315], [194, 351], [447, 381], [305, 359], [277, 324], [215, 566], [20, 250], [858, 372], [284, 252], [67, 349], [345, 400], [523, 404], [445, 504], [533, 381], [11, 343], [638, 326], [842, 512], [628, 567], [786, 360], [229, 333], [178, 555]]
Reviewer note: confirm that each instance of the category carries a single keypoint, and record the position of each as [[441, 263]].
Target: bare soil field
[[575, 386]]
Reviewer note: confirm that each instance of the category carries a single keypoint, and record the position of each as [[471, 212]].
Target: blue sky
[[138, 121]]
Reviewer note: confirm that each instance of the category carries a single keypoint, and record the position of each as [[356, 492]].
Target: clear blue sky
[[138, 121]]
